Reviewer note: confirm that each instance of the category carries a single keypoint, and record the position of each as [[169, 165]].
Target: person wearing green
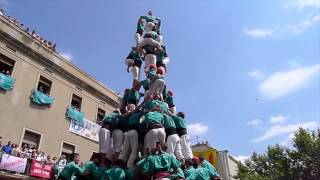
[[177, 175], [91, 169], [115, 172], [134, 61], [189, 172], [157, 83], [155, 132], [71, 169], [145, 84], [184, 137], [209, 166], [162, 57], [173, 140], [129, 151], [201, 173], [169, 101]]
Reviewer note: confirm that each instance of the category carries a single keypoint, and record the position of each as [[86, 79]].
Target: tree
[[302, 162]]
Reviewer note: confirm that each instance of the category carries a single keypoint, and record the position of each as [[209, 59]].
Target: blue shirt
[[7, 149]]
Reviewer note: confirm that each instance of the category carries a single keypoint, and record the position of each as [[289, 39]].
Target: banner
[[38, 169], [12, 163], [86, 128], [210, 155]]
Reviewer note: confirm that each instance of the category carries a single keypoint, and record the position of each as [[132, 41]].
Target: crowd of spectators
[[33, 33]]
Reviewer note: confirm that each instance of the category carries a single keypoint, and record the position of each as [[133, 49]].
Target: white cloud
[[254, 122], [256, 74], [67, 55], [258, 33], [277, 130], [277, 119], [282, 83], [302, 26], [241, 158], [295, 29], [301, 4], [197, 129]]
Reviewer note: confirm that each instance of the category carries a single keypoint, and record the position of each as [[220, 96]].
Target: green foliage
[[282, 163]]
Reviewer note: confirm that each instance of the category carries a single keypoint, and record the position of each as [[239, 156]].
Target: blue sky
[[247, 73]]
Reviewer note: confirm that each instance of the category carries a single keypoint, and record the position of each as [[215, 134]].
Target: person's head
[[195, 161], [14, 145], [170, 93], [134, 48], [96, 158], [161, 70], [126, 91], [48, 157], [9, 143], [181, 114], [131, 107], [62, 156], [106, 124], [75, 157], [150, 13], [8, 72], [152, 67], [54, 159], [201, 159], [188, 163], [136, 85]]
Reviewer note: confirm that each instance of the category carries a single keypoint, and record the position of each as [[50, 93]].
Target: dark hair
[[73, 155], [181, 114], [96, 156]]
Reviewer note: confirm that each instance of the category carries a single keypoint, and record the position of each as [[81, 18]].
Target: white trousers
[[149, 59], [156, 87], [133, 69], [173, 110], [153, 136], [160, 39], [130, 148], [186, 146], [117, 138], [174, 146], [166, 60], [105, 142]]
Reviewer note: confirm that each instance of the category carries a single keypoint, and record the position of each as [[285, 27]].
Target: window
[[44, 85], [100, 115], [67, 150], [31, 138], [76, 102], [6, 65]]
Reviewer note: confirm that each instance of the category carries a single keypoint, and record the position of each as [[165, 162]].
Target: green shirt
[[162, 162], [134, 95], [145, 84], [163, 106], [143, 164], [136, 57], [210, 167], [93, 169], [150, 105], [168, 122], [177, 174], [153, 34], [116, 173], [71, 169], [203, 173], [180, 123], [169, 100], [112, 118], [154, 118], [134, 119], [162, 54], [190, 173]]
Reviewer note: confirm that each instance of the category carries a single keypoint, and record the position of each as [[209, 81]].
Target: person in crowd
[[173, 140], [202, 173], [54, 160], [189, 171], [62, 160], [72, 168], [134, 61], [169, 101], [116, 172], [183, 134], [41, 156], [90, 168], [162, 57], [7, 149], [129, 151], [48, 159], [15, 150], [154, 125], [157, 82], [209, 166], [105, 139]]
